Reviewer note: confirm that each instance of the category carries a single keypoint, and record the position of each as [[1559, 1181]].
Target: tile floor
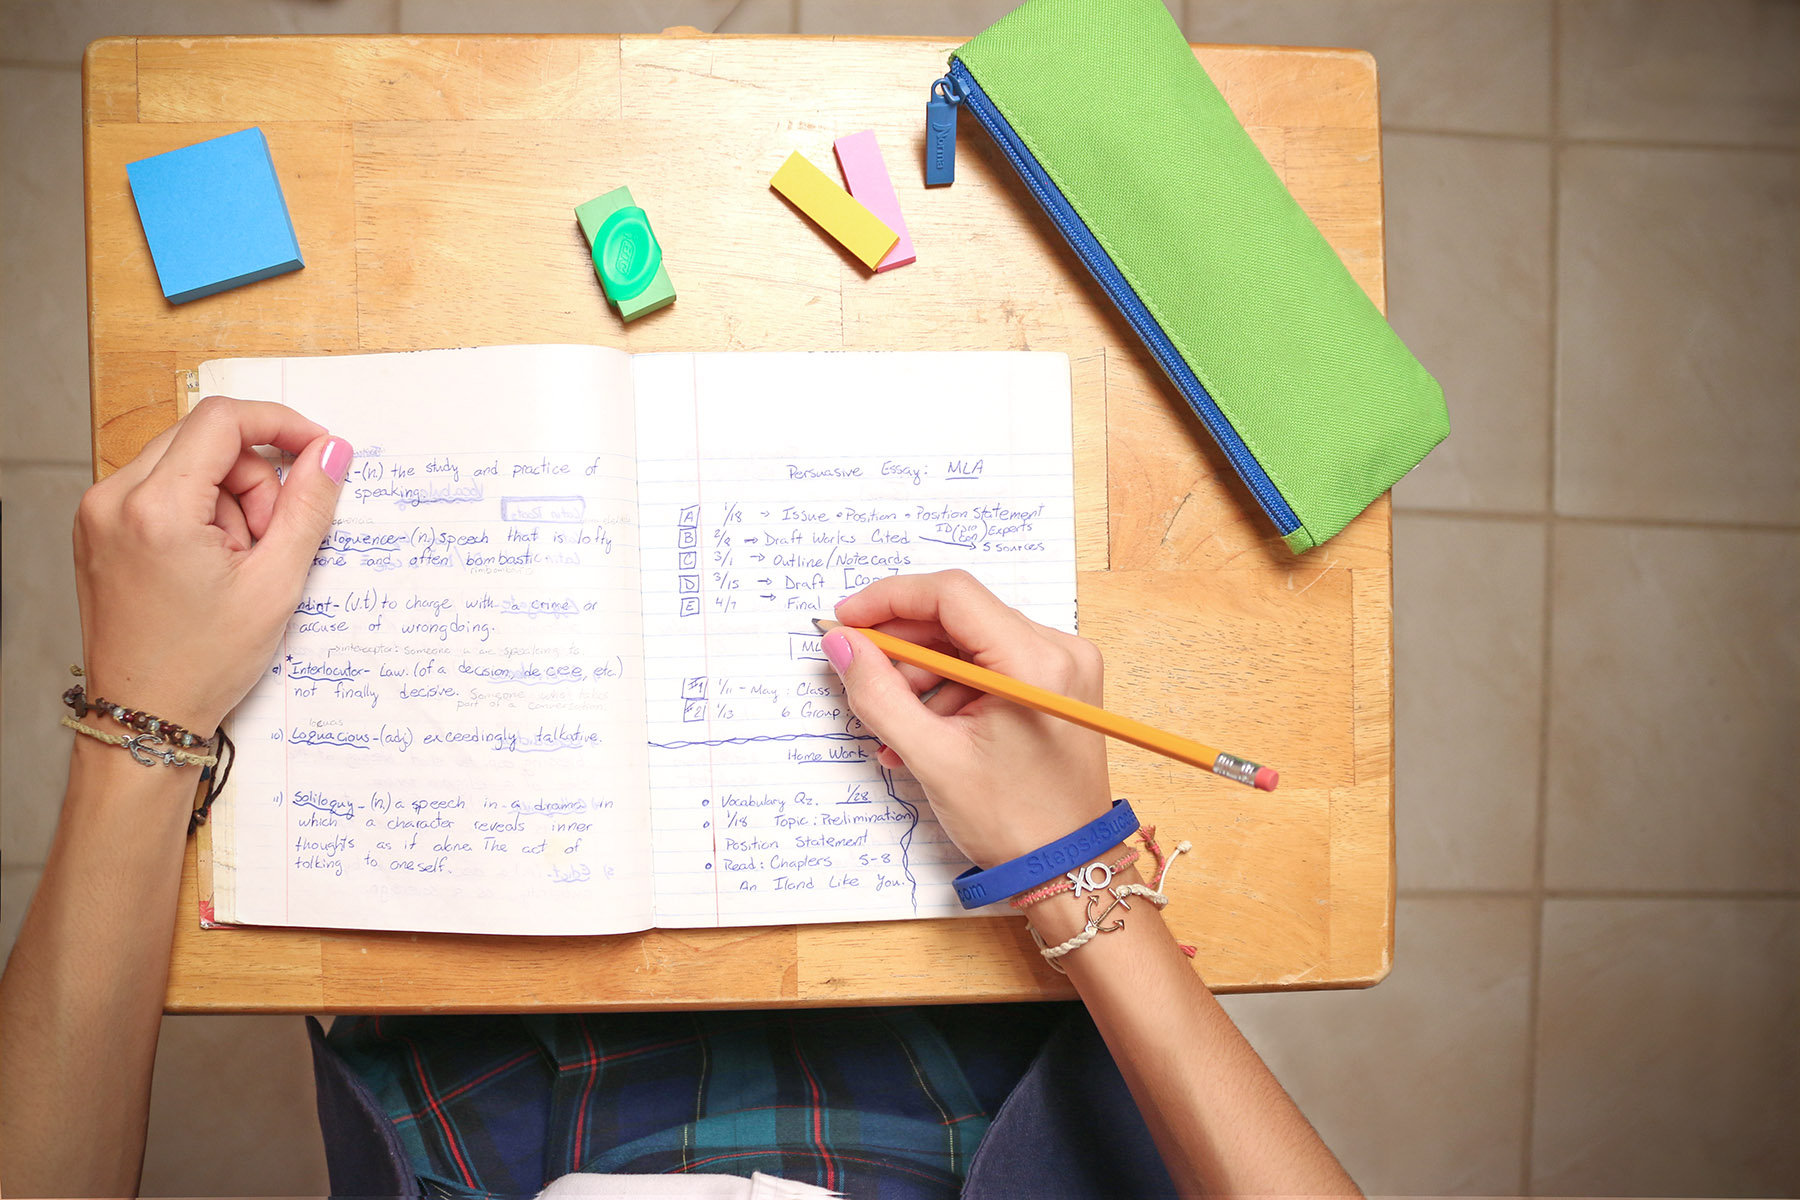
[[1594, 240]]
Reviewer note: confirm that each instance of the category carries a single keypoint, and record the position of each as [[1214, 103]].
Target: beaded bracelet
[[156, 741], [132, 718]]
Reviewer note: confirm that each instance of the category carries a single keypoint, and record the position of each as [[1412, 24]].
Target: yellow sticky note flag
[[830, 206]]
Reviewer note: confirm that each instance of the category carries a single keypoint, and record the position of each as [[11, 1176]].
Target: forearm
[[1220, 1119], [81, 999]]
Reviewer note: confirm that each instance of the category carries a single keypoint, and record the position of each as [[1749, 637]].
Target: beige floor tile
[[1418, 1084], [1678, 361], [1468, 255], [1475, 66], [1468, 631], [43, 289], [1674, 697], [40, 635], [232, 1111], [1668, 1049], [1676, 71], [58, 30], [16, 886], [917, 18], [559, 16]]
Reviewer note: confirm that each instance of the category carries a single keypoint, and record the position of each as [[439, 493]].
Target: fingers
[[951, 698], [970, 615], [879, 694], [303, 509], [981, 628], [253, 482], [921, 633], [229, 517], [209, 440]]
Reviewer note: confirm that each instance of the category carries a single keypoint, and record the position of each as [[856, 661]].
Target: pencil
[[1088, 716]]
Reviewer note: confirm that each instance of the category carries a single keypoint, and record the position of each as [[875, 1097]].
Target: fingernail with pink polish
[[837, 649], [336, 458]]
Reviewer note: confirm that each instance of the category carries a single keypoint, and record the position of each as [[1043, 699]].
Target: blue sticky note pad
[[214, 215]]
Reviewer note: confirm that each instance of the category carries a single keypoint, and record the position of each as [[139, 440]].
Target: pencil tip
[[824, 626]]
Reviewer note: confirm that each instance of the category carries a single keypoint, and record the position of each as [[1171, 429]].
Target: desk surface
[[432, 181]]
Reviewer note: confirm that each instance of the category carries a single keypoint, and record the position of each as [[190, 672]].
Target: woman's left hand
[[190, 559]]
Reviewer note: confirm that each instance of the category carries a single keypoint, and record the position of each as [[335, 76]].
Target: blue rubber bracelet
[[976, 887]]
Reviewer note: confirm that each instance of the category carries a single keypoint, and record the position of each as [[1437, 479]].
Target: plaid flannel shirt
[[888, 1103]]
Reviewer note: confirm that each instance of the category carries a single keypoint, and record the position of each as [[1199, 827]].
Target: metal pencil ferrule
[[1239, 770]]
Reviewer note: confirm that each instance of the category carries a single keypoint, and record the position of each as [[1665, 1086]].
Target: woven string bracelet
[[1146, 834], [146, 748], [216, 767], [1067, 882], [1097, 924]]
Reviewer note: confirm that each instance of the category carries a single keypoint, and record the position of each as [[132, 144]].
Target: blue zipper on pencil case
[[959, 88]]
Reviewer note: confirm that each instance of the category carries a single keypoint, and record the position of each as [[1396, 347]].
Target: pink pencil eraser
[[1267, 778], [866, 177]]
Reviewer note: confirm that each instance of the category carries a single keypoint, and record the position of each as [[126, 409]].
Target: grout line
[[1540, 839], [43, 463], [1540, 834], [1471, 514], [1604, 143], [1671, 894], [1616, 143], [1698, 526], [1552, 893], [1486, 135], [26, 64]]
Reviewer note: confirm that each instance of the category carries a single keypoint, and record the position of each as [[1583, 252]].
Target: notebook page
[[771, 486], [451, 737]]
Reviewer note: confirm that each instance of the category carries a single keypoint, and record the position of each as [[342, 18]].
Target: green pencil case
[[1116, 129]]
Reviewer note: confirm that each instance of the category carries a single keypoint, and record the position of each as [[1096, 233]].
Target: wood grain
[[432, 182]]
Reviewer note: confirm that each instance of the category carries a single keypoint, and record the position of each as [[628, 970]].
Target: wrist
[[1060, 917], [1022, 837], [109, 712], [976, 887], [100, 774]]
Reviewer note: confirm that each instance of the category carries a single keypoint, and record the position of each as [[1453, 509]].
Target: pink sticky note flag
[[866, 176]]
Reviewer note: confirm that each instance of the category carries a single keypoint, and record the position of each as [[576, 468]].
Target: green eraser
[[627, 256]]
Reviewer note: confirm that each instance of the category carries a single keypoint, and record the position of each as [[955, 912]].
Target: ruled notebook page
[[451, 737], [770, 486]]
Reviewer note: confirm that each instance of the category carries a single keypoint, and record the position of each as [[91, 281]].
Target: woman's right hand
[[1002, 779]]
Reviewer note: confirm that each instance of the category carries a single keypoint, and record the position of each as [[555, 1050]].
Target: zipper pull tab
[[940, 132]]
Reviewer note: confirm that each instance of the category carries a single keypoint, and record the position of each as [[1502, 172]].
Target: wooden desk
[[431, 181]]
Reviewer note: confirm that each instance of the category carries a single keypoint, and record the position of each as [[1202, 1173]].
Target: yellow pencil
[[1239, 770]]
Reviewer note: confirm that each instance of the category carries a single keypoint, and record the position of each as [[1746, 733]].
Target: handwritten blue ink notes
[[214, 216]]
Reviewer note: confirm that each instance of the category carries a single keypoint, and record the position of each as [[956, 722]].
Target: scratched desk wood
[[431, 182]]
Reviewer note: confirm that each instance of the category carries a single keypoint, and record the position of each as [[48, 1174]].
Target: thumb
[[304, 509], [879, 694]]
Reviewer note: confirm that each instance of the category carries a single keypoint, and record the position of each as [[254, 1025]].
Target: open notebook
[[555, 672]]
